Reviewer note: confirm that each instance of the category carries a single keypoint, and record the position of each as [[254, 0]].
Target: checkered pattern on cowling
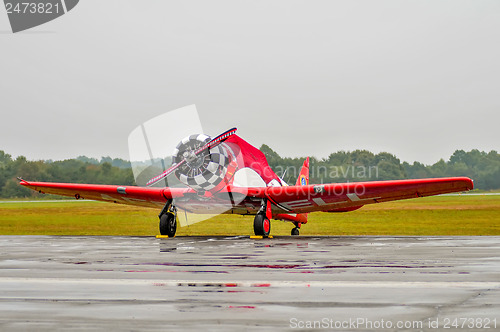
[[212, 174], [191, 140]]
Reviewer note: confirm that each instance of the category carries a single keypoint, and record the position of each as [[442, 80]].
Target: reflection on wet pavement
[[225, 283]]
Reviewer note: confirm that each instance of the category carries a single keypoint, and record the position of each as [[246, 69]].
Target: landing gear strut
[[262, 221], [168, 219]]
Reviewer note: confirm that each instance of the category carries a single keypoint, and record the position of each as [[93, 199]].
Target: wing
[[131, 195], [333, 197], [339, 197]]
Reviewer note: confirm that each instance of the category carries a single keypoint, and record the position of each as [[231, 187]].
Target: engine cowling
[[205, 171]]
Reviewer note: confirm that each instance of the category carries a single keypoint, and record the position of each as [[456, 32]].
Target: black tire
[[261, 225], [295, 231], [168, 224]]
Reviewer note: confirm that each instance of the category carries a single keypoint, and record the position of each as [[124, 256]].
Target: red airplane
[[228, 175]]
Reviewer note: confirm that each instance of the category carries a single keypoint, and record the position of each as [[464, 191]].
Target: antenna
[[283, 175]]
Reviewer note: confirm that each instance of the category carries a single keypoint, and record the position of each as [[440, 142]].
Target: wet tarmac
[[238, 283]]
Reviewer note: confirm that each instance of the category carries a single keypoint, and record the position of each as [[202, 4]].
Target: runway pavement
[[238, 283]]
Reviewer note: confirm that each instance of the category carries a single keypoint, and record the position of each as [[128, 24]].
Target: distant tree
[[363, 158], [106, 168], [439, 168], [269, 153], [459, 156], [5, 158], [121, 163], [417, 170], [12, 189], [339, 158], [388, 157], [88, 160]]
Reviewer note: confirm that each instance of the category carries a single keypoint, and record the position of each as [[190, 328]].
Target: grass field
[[442, 215]]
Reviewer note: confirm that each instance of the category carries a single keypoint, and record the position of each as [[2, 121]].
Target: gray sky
[[419, 79]]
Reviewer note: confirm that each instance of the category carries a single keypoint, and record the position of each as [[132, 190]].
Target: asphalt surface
[[237, 283]]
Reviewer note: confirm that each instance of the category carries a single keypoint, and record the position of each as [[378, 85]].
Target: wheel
[[261, 225], [295, 231], [168, 224]]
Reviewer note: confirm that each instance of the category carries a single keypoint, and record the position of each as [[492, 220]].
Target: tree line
[[78, 170], [342, 166], [362, 165]]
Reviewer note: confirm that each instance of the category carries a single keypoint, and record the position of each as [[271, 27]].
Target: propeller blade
[[214, 142], [217, 140], [160, 177]]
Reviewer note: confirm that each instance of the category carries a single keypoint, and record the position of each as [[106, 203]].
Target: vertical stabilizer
[[299, 218], [303, 179]]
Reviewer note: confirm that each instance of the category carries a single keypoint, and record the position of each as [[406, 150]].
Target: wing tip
[[22, 182], [464, 182], [469, 183]]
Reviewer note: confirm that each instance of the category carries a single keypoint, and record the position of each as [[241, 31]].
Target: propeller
[[214, 142]]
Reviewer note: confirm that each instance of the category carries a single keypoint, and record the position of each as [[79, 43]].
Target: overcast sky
[[419, 79]]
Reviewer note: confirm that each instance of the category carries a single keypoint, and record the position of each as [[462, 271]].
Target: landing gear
[[262, 221], [168, 219], [168, 224], [261, 225], [296, 229]]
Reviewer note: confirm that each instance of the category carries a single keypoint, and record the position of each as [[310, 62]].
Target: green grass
[[442, 215]]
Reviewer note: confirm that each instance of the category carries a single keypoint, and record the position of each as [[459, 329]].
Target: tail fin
[[303, 179]]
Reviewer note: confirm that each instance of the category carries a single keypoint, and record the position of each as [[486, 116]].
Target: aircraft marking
[[297, 204], [319, 201], [353, 197], [319, 189]]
